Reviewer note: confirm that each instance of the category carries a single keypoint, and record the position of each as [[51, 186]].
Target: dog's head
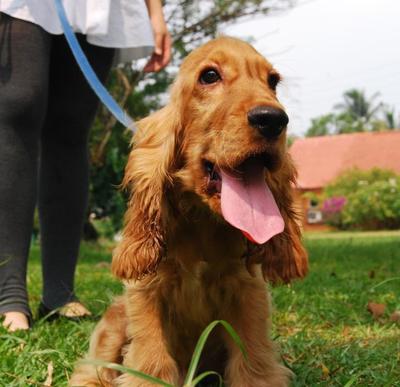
[[223, 138]]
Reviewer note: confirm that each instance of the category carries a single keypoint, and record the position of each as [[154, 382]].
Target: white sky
[[325, 47]]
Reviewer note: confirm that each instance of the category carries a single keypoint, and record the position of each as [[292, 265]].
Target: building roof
[[319, 160]]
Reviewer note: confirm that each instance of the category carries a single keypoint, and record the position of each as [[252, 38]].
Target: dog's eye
[[209, 76], [273, 80]]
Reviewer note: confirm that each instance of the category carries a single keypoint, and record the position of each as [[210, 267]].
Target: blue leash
[[88, 72]]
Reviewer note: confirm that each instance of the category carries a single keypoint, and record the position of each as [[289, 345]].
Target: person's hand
[[162, 51]]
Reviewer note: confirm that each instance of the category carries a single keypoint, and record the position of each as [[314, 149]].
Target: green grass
[[325, 333], [24, 357]]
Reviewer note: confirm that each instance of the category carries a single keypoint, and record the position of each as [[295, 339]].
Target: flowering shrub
[[374, 206], [365, 200], [332, 208], [333, 205]]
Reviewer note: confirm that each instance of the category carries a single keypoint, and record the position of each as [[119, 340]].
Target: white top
[[122, 24]]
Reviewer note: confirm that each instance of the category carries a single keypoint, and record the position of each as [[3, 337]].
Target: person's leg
[[63, 181], [24, 58]]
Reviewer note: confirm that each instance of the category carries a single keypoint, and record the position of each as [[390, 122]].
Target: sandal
[[73, 310]]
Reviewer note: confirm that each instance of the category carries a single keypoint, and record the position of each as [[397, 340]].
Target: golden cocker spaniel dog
[[210, 219]]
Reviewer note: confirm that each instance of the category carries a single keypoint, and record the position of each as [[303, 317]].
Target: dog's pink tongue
[[247, 204]]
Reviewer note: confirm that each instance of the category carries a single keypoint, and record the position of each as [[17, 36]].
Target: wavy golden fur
[[184, 265]]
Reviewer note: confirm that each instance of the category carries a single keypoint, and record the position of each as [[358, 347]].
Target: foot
[[15, 321], [74, 309]]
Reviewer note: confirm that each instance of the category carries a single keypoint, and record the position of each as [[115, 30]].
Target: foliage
[[375, 206], [357, 113], [351, 180], [389, 120], [109, 142], [357, 106], [322, 125], [332, 209], [290, 139], [333, 123], [364, 200], [190, 23], [106, 199]]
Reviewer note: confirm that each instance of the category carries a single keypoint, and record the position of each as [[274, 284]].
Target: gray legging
[[46, 110]]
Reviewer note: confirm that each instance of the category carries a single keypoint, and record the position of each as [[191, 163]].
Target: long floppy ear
[[147, 176], [284, 257]]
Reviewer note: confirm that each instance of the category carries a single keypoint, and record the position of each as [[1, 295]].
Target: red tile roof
[[320, 159]]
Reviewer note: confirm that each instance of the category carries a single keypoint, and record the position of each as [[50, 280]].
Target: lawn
[[327, 336]]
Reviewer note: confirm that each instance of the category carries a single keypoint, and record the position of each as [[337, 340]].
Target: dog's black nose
[[268, 120]]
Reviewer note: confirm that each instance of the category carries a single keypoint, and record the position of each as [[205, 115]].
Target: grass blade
[[197, 352], [236, 338], [200, 377], [384, 282], [200, 346], [351, 381], [119, 367]]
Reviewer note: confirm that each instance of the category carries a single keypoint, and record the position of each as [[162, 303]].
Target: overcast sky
[[325, 47]]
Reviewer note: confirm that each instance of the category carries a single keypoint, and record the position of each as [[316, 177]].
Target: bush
[[107, 200], [374, 206], [354, 179], [366, 200], [332, 210]]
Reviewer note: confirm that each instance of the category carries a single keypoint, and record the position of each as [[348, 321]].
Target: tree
[[345, 123], [190, 23], [389, 118], [322, 125], [356, 113], [358, 107], [332, 123]]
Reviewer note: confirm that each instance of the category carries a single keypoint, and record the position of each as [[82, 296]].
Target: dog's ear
[[283, 258], [147, 176]]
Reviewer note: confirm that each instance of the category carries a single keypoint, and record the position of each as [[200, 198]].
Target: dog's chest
[[193, 301], [201, 295]]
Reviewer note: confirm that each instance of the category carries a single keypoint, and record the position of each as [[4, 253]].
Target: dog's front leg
[[147, 351], [261, 369]]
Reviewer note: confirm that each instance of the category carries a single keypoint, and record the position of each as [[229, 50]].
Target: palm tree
[[357, 106], [389, 118]]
